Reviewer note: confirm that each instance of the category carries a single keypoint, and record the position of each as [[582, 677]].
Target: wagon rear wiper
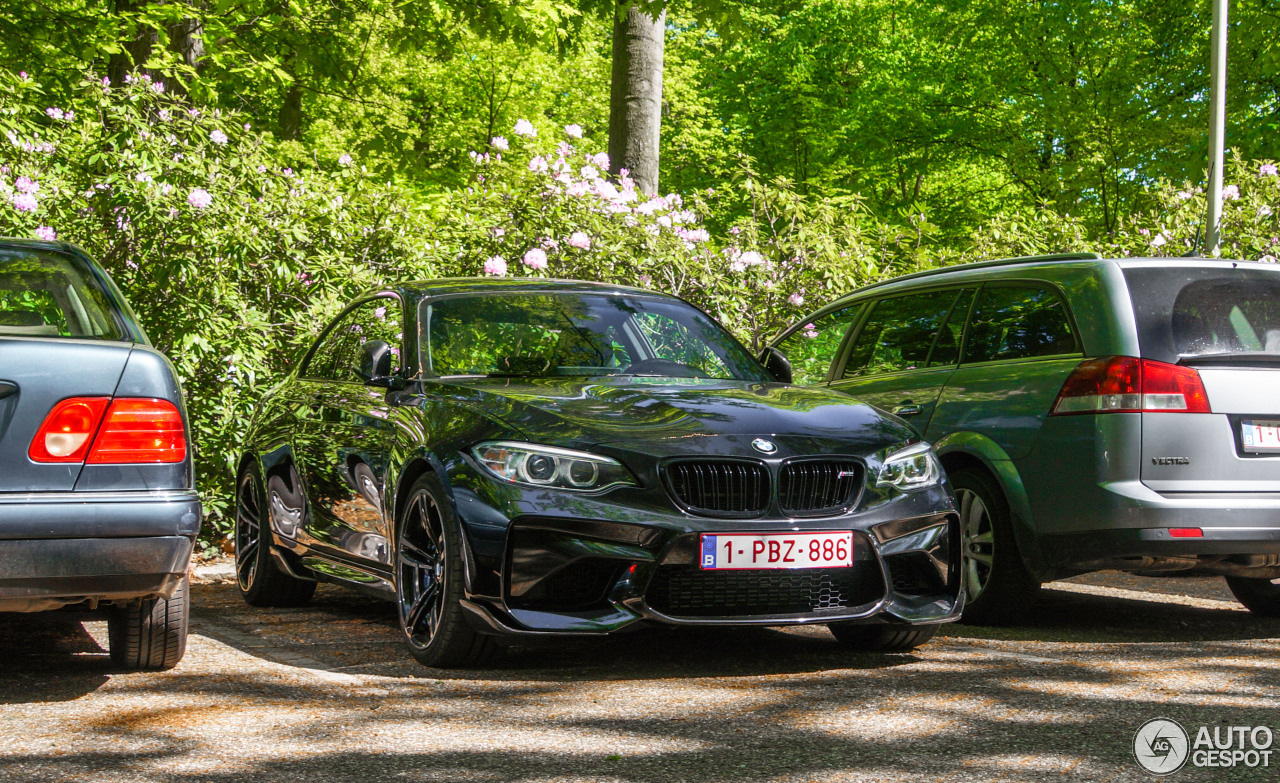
[[1248, 358]]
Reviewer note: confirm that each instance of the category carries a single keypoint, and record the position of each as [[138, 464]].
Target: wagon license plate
[[1260, 435], [739, 551]]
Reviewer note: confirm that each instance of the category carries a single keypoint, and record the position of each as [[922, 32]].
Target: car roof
[[976, 269], [489, 285]]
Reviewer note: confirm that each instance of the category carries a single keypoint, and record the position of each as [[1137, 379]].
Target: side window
[[675, 341], [338, 356], [1018, 322], [900, 333], [946, 351], [813, 347]]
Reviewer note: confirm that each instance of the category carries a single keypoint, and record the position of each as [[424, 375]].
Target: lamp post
[[1217, 124]]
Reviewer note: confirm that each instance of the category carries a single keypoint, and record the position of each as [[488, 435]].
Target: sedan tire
[[429, 582], [261, 581], [152, 633], [1260, 596], [999, 589], [882, 638]]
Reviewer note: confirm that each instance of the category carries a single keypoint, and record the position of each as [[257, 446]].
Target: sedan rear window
[[1205, 312], [50, 295]]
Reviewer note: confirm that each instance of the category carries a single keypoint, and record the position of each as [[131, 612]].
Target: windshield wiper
[[1230, 358]]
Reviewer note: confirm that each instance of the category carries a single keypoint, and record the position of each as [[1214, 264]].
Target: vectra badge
[[763, 446]]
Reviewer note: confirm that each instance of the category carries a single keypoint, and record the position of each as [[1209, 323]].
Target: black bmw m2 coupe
[[514, 458]]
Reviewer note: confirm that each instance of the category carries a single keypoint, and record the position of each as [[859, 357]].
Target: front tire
[[999, 589], [881, 638], [261, 581], [429, 582], [151, 634], [1259, 596]]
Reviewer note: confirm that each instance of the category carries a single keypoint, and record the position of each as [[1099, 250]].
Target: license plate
[[1260, 435], [738, 551]]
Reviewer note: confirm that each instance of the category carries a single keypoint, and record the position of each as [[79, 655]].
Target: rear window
[[50, 295], [1205, 311]]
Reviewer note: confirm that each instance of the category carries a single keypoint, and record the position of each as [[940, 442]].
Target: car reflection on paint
[[513, 458]]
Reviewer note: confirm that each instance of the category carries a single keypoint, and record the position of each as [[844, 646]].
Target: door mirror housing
[[776, 364], [376, 361]]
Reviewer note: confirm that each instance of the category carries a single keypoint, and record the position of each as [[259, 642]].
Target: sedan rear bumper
[[65, 548]]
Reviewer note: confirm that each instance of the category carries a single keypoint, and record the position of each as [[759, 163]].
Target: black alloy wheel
[[1259, 596], [998, 588], [429, 582], [261, 581]]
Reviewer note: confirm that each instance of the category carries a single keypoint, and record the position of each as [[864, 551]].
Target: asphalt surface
[[327, 693]]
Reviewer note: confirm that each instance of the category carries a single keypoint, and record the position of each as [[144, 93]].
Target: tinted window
[[946, 350], [812, 347], [1018, 322], [538, 335], [899, 333], [1205, 311], [47, 295], [337, 357]]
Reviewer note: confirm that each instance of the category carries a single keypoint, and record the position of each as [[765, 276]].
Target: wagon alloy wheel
[[421, 562], [978, 542], [998, 587], [429, 581], [261, 581]]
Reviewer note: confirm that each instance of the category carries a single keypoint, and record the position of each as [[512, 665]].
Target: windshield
[[1208, 311], [48, 295], [568, 334]]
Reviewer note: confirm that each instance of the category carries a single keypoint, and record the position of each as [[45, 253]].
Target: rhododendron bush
[[234, 256]]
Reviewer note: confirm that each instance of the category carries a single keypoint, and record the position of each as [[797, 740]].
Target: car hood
[[677, 416]]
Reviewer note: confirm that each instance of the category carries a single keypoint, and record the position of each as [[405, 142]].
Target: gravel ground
[[327, 693]]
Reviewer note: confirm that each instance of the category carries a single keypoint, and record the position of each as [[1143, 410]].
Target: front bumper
[[58, 549], [565, 575]]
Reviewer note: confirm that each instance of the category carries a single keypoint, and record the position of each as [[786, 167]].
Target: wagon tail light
[[103, 431], [1123, 384]]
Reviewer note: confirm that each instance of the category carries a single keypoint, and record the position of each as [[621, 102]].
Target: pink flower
[[345, 160], [752, 258], [1159, 240], [579, 240], [810, 331], [573, 131], [564, 149], [288, 172], [525, 128], [538, 165], [735, 231], [46, 233], [165, 116], [380, 313], [158, 87], [24, 202], [577, 188], [1267, 169], [600, 160], [535, 258], [54, 112], [218, 137], [644, 280], [26, 185], [498, 232], [738, 265], [796, 299], [1231, 192], [106, 81], [199, 198], [496, 266], [589, 172], [499, 143]]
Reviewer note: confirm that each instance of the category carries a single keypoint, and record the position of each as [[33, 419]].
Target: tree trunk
[[290, 118], [135, 49], [635, 96]]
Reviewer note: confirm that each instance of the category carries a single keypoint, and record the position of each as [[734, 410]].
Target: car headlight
[[914, 467], [547, 466]]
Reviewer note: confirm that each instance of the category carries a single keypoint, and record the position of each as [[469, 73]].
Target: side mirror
[[776, 364], [375, 363]]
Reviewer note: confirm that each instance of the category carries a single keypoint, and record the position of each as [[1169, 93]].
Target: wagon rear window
[[48, 295], [1210, 311]]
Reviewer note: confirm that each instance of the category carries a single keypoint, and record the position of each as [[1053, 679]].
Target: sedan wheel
[[1260, 596], [998, 587], [429, 582], [261, 581]]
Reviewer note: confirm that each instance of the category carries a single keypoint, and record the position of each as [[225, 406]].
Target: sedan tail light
[[102, 431], [1123, 384]]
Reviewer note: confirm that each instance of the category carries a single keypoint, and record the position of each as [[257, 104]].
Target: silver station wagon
[[1091, 413]]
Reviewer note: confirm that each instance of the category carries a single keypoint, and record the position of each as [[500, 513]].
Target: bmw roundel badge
[[763, 446]]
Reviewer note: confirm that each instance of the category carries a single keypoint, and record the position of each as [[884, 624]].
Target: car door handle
[[7, 388], [907, 409]]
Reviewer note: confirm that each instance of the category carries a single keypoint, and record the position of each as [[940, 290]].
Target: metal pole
[[1217, 124]]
